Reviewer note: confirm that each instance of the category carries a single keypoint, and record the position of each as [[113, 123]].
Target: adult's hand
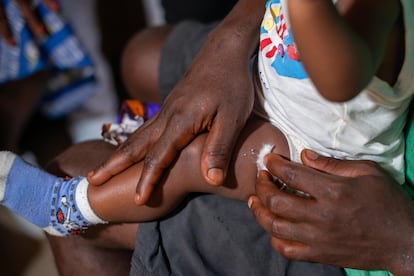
[[358, 216], [27, 11], [215, 95], [204, 100]]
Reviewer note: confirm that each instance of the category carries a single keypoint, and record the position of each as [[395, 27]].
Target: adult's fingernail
[[137, 199], [250, 202], [215, 175], [310, 154]]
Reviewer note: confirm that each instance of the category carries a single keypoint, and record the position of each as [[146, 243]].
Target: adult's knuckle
[[126, 149], [329, 164], [217, 151], [370, 167], [237, 122], [311, 234], [335, 193], [289, 175], [288, 251], [103, 166], [260, 215], [276, 227], [275, 203], [150, 161], [257, 213]]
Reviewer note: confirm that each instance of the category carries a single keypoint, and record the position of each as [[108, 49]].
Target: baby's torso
[[370, 126]]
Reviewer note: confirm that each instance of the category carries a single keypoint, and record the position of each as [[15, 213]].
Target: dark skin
[[356, 195], [104, 250], [313, 229], [217, 104], [221, 107], [128, 158], [114, 201], [105, 245], [347, 44], [18, 103], [140, 61]]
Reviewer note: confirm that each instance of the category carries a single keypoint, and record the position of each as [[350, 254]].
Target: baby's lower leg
[[56, 204], [69, 206], [114, 200], [47, 201]]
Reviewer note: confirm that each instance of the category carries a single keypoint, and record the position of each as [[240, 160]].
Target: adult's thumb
[[347, 168]]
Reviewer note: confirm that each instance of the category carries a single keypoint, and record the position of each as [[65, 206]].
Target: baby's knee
[[259, 133], [81, 158], [140, 61]]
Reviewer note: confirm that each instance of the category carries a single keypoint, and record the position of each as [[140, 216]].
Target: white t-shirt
[[370, 126]]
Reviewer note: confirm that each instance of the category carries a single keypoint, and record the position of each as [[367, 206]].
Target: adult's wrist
[[240, 28]]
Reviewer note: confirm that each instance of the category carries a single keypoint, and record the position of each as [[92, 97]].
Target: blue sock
[[57, 205]]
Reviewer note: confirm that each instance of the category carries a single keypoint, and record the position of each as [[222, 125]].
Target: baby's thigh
[[258, 133], [81, 158]]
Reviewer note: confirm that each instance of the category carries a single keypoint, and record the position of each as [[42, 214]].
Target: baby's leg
[[114, 200], [70, 206], [110, 244], [81, 158]]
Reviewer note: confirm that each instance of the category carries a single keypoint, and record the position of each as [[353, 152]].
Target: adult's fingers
[[297, 176], [263, 215], [282, 203], [290, 236], [116, 163], [291, 250], [127, 154], [160, 157], [277, 226], [218, 148], [311, 176]]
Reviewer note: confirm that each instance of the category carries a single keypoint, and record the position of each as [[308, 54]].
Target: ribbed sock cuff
[[84, 205]]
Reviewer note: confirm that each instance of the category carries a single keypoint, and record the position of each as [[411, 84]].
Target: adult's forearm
[[239, 30]]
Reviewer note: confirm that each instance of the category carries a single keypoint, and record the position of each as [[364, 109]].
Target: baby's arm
[[342, 47]]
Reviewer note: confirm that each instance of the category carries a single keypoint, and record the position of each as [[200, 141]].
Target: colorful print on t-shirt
[[276, 42]]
